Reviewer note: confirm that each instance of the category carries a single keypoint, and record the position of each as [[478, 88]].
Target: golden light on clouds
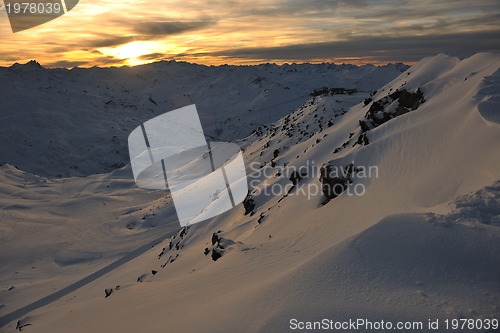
[[132, 53], [112, 33]]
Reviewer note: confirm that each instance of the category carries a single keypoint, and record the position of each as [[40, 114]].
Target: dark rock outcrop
[[334, 180], [108, 292], [216, 254], [378, 114], [249, 204], [295, 177]]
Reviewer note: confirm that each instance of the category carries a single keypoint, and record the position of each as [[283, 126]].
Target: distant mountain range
[[87, 114]]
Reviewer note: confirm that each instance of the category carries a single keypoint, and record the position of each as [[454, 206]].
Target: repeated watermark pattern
[[205, 179]]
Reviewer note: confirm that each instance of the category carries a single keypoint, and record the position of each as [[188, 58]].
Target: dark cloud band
[[402, 48]]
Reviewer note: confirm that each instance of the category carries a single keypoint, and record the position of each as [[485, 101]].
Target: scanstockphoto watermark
[[310, 180], [363, 324], [354, 325]]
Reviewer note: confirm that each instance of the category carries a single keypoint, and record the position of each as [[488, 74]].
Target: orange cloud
[[105, 32]]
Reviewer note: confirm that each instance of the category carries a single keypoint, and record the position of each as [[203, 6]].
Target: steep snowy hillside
[[413, 235], [86, 115]]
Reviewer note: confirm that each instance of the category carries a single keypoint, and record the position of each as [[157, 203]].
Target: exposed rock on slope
[[391, 106]]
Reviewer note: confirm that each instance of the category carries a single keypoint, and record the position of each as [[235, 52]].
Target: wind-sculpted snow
[[481, 207], [490, 98]]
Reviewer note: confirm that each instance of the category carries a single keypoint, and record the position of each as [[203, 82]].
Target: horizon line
[[274, 63]]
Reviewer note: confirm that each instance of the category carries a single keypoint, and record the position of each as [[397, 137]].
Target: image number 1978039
[[24, 15]]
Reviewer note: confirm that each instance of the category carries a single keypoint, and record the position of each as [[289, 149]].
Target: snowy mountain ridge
[[87, 114], [422, 240]]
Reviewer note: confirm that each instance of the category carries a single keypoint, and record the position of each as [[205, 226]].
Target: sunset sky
[[115, 33]]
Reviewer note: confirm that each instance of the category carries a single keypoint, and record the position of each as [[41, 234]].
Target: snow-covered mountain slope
[[57, 230], [415, 235], [86, 115]]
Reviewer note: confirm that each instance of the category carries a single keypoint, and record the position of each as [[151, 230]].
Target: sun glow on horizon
[[140, 52]]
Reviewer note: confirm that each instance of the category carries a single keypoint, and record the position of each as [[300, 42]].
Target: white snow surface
[[422, 242]]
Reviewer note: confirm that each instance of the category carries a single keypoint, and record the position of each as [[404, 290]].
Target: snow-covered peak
[[27, 67]]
